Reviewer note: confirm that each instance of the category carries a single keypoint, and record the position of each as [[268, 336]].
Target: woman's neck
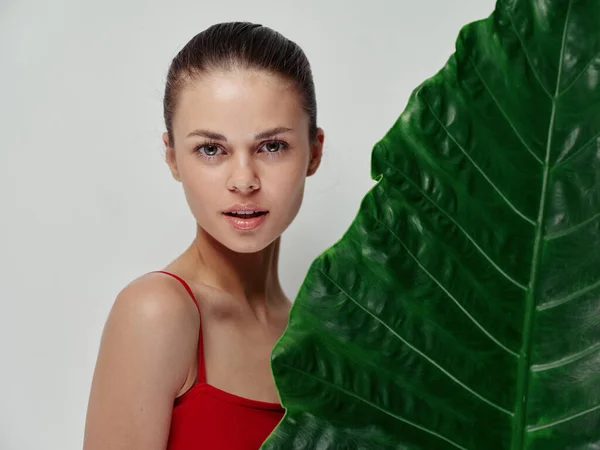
[[250, 277]]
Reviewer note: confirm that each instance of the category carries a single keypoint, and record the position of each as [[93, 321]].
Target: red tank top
[[206, 417]]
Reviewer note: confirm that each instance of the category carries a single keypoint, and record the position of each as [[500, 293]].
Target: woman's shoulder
[[155, 311], [178, 292], [148, 319], [167, 298], [154, 294], [153, 307]]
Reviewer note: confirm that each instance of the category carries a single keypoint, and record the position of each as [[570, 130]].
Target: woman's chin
[[242, 241], [248, 245], [243, 244]]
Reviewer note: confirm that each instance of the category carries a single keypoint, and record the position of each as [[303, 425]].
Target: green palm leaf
[[461, 309]]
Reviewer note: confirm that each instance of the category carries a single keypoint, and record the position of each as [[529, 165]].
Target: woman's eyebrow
[[219, 137], [272, 132]]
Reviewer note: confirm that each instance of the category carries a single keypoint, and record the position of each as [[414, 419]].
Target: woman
[[184, 360]]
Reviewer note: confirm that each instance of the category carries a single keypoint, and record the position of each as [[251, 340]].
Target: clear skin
[[270, 172], [233, 273]]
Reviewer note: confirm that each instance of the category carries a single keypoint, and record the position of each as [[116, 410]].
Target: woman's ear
[[316, 152], [170, 156]]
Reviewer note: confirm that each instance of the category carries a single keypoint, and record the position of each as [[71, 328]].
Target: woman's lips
[[240, 223]]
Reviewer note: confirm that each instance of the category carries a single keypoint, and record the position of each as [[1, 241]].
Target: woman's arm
[[143, 362]]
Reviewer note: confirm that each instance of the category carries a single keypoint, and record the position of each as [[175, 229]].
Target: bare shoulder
[[144, 359], [211, 301], [154, 305], [156, 294]]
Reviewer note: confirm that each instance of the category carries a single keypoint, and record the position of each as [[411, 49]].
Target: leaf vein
[[491, 183], [512, 126], [375, 406], [561, 162], [579, 75], [524, 369], [566, 360], [568, 298], [465, 233], [416, 350], [574, 228], [441, 286], [526, 53], [533, 428]]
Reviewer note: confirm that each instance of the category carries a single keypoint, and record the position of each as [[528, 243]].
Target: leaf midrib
[[524, 368]]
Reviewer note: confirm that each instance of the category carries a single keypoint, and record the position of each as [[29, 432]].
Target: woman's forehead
[[239, 86], [239, 99]]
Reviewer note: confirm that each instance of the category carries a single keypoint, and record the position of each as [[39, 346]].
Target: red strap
[[201, 367]]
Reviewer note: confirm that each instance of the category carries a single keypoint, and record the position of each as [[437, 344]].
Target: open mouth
[[246, 220], [246, 215]]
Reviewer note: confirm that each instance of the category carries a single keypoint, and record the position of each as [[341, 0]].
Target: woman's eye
[[273, 146], [209, 150]]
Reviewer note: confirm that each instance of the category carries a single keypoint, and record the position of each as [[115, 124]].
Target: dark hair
[[245, 45]]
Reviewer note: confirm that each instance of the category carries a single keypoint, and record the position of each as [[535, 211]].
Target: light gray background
[[86, 201]]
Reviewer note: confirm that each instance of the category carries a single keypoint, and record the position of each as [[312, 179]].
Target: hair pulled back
[[245, 45]]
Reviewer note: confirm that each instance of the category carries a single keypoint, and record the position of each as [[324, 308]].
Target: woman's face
[[242, 138]]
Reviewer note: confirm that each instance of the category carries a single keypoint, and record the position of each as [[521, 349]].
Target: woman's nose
[[243, 177]]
